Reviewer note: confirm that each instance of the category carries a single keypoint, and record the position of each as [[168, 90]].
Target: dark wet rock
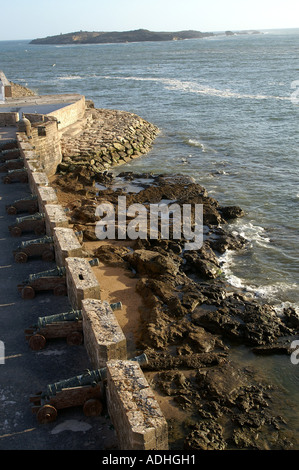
[[151, 263], [272, 349], [223, 241], [291, 318], [202, 262], [224, 384], [231, 212], [205, 436], [251, 324]]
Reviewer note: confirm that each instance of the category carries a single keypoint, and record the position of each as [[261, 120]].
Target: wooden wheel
[[37, 342], [48, 255], [23, 179], [28, 292], [92, 407], [21, 257], [32, 209], [40, 230], [74, 339], [16, 231], [60, 290], [11, 210], [46, 414]]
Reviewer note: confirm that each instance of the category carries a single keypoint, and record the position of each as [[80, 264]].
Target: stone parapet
[[46, 195], [36, 179], [103, 338], [66, 245], [81, 281], [133, 409], [55, 216]]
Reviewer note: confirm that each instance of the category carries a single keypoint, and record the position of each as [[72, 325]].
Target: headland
[[138, 35]]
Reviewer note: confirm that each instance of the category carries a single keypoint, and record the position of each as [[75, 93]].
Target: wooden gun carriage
[[53, 279], [29, 223], [19, 176], [41, 247], [85, 390], [13, 164], [9, 154], [62, 325], [27, 204]]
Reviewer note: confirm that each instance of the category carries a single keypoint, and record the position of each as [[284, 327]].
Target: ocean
[[227, 108]]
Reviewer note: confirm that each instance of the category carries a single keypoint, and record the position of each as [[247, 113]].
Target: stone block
[[36, 179], [134, 411], [103, 337], [81, 281], [46, 195], [55, 216], [66, 245]]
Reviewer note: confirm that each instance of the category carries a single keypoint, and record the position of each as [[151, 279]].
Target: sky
[[30, 19]]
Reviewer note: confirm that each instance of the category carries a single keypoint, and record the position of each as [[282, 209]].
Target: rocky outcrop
[[192, 318]]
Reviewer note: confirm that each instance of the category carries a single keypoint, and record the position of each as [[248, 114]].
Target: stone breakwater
[[105, 139]]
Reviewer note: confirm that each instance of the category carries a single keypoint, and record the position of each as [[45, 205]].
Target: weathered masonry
[[138, 420], [103, 336], [131, 403]]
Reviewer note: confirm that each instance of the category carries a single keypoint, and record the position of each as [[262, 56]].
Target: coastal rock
[[291, 318], [112, 255], [253, 324], [151, 263], [205, 436], [231, 212], [202, 262]]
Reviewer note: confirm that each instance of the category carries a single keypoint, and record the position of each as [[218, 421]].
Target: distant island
[[139, 35]]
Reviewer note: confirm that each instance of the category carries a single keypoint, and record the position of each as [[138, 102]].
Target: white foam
[[71, 77], [205, 148], [197, 88], [269, 293], [251, 233]]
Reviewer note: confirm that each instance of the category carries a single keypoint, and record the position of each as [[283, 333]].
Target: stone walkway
[[26, 372]]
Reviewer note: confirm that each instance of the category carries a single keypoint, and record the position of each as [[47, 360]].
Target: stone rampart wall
[[133, 409]]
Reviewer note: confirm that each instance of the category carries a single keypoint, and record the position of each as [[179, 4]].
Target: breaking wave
[[194, 87]]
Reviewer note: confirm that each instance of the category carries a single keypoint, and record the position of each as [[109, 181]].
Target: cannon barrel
[[18, 170], [59, 271], [37, 241], [90, 377], [72, 315], [31, 197], [37, 216]]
